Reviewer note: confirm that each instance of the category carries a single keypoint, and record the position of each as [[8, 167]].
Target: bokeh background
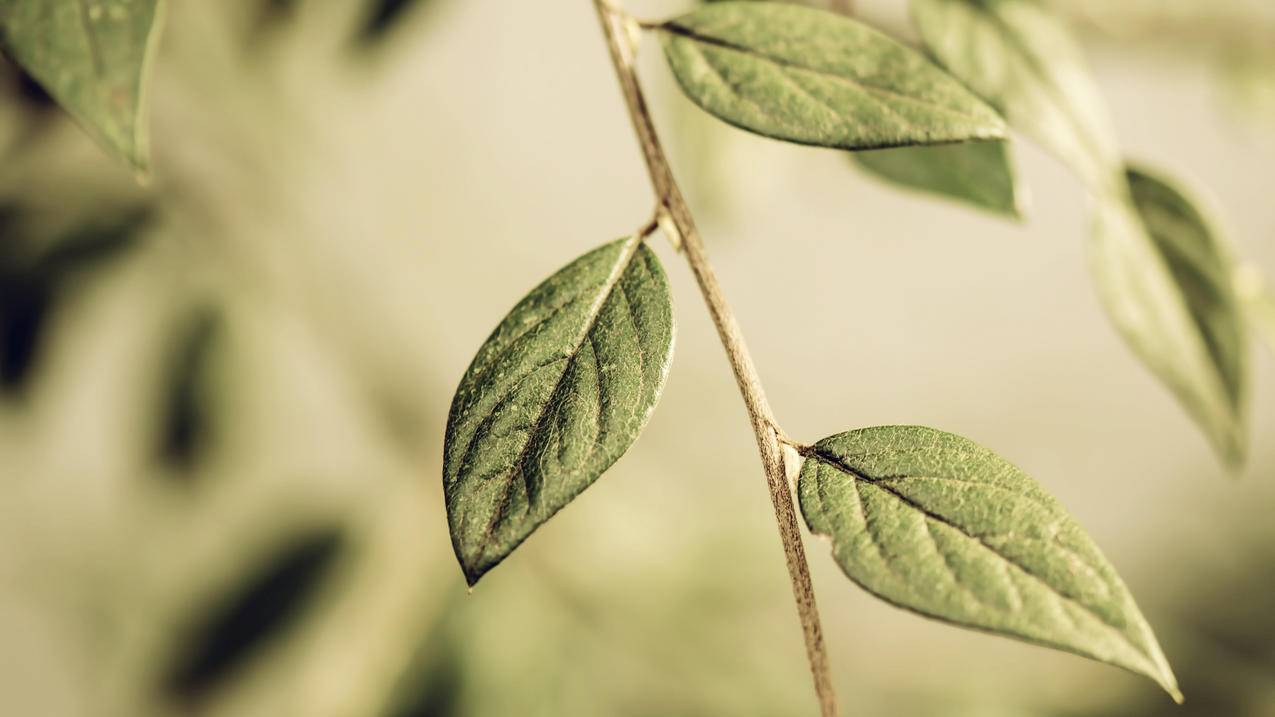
[[222, 394]]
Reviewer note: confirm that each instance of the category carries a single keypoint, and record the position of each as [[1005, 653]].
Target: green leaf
[[1021, 58], [974, 173], [1166, 280], [556, 395], [1259, 302], [812, 77], [935, 523], [93, 57]]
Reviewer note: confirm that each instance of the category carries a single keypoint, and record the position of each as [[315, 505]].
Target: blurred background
[[222, 394]]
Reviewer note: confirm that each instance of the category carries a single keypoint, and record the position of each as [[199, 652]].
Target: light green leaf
[[1166, 280], [556, 395], [812, 77], [92, 56], [1258, 300], [1021, 58], [934, 523], [974, 173]]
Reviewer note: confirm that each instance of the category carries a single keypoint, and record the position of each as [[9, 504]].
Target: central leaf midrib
[[628, 252], [838, 464]]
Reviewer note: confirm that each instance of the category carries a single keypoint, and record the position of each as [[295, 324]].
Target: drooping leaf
[[268, 603], [1166, 280], [974, 173], [556, 395], [1020, 57], [813, 77], [92, 56], [935, 523]]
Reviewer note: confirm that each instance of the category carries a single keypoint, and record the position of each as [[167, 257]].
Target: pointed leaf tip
[[936, 524]]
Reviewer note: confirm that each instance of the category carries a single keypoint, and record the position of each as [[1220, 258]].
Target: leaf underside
[[978, 174], [555, 396], [91, 56], [1021, 58], [934, 523], [813, 77], [1166, 280]]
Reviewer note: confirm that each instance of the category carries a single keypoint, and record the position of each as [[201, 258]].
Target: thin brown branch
[[614, 25]]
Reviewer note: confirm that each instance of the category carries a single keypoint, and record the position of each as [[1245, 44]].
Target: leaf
[[32, 290], [812, 77], [1021, 58], [934, 523], [974, 173], [187, 430], [1166, 280], [557, 394], [1259, 302], [265, 606], [93, 57]]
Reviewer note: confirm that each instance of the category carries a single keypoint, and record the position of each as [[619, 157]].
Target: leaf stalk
[[765, 427]]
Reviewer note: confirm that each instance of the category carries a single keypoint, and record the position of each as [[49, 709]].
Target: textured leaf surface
[[1021, 58], [91, 56], [557, 393], [934, 523], [1166, 279], [974, 173], [813, 77]]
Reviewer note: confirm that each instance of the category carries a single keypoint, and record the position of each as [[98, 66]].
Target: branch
[[765, 428]]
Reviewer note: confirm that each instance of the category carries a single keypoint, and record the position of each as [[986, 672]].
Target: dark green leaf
[[974, 173], [556, 395], [1166, 279], [813, 77], [383, 16], [934, 523], [265, 606], [92, 56], [32, 288], [1021, 58], [187, 428]]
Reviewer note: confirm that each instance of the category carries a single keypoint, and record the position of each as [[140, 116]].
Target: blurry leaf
[[974, 173], [1166, 280], [92, 56], [272, 13], [1021, 58], [262, 608], [24, 307], [186, 422], [934, 523], [813, 77], [383, 16], [556, 395], [433, 685], [1254, 293], [30, 290]]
